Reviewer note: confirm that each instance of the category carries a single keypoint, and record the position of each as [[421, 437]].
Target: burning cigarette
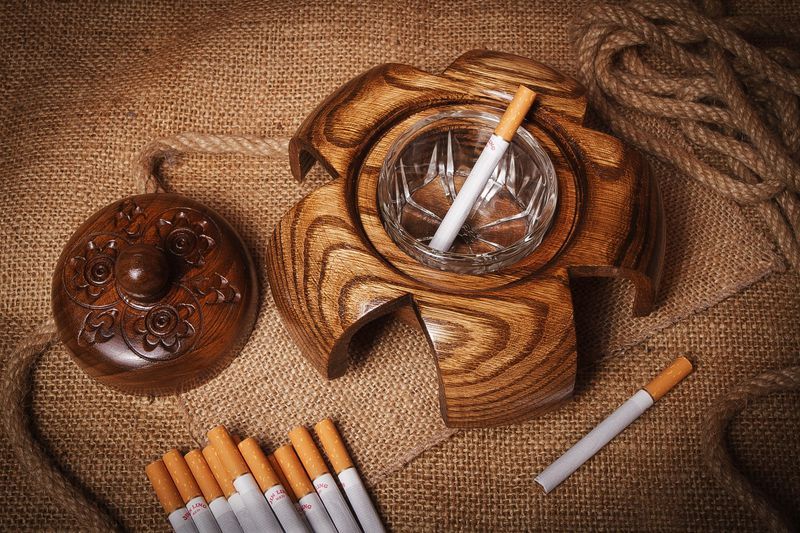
[[243, 480], [190, 492], [609, 428], [179, 517], [226, 518], [225, 481], [271, 485], [482, 171], [348, 475], [326, 486], [309, 500]]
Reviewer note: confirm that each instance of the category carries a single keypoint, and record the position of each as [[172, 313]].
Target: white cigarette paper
[[334, 502], [257, 506], [471, 190], [564, 466], [284, 509], [359, 498], [181, 521], [242, 514], [316, 514], [226, 518], [202, 516]]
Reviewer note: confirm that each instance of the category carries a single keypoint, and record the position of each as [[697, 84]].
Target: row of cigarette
[[232, 486]]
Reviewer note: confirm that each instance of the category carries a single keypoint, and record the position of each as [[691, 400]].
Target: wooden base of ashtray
[[504, 341]]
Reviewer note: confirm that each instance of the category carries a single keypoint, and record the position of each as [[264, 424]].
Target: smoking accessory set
[[461, 202]]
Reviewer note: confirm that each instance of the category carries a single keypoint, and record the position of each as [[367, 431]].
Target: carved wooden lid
[[154, 294]]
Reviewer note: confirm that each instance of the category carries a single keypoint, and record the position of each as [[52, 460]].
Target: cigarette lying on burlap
[[348, 476], [190, 491], [324, 483], [271, 486], [494, 150], [564, 466], [226, 518], [257, 506], [167, 493], [225, 481], [309, 500]]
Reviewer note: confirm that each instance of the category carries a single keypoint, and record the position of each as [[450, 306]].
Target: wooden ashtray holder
[[503, 342]]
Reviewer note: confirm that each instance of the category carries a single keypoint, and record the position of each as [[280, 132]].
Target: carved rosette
[[206, 278]]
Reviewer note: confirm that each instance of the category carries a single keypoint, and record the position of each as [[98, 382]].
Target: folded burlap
[[85, 89]]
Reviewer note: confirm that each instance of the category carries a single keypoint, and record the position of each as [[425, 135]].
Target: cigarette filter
[[243, 480], [167, 493], [226, 484], [276, 467], [190, 492], [497, 145], [584, 449], [226, 519], [348, 476], [268, 481], [309, 500], [324, 483]]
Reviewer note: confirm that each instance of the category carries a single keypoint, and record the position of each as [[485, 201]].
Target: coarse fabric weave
[[85, 86]]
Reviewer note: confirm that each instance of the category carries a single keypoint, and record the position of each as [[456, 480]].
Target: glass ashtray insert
[[424, 171]]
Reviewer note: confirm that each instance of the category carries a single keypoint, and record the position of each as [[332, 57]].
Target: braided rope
[[15, 387], [721, 97], [716, 455], [149, 177]]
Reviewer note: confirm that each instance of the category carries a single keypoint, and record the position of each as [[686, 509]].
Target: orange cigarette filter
[[276, 467], [203, 475], [259, 464], [227, 451], [166, 491], [515, 113], [294, 471], [333, 445], [221, 474], [668, 378], [181, 475], [308, 452]]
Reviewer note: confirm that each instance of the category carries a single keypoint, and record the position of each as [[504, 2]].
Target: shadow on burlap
[[85, 88]]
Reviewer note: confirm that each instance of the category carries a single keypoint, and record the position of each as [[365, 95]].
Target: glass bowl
[[424, 170]]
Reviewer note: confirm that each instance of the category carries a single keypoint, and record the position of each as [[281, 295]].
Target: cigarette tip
[[669, 377]]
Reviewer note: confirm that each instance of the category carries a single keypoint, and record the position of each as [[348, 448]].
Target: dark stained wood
[[154, 294], [504, 342]]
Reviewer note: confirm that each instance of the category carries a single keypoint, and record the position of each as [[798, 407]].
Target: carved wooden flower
[[166, 325], [93, 271], [186, 238], [504, 342]]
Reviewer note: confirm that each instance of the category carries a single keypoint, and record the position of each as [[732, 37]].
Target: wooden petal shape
[[502, 357], [325, 282]]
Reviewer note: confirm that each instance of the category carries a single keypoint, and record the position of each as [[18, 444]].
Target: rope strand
[[728, 97]]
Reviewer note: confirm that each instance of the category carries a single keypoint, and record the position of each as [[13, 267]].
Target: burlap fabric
[[85, 87]]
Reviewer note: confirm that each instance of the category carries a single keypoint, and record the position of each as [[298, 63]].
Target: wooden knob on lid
[[154, 294], [142, 272]]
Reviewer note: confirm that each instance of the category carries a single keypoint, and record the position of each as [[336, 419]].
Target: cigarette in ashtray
[[564, 466], [190, 491], [348, 476], [484, 167], [308, 498], [167, 493], [225, 481], [271, 486], [257, 506], [212, 492], [324, 482]]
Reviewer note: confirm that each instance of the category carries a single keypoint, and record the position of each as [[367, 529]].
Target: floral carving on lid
[[89, 274], [186, 237]]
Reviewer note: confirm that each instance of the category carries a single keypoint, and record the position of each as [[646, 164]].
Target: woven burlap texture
[[86, 87]]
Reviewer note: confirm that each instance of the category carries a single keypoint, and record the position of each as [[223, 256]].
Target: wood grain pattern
[[504, 342], [154, 294]]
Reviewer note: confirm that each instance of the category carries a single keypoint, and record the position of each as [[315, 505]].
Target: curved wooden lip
[[370, 225]]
